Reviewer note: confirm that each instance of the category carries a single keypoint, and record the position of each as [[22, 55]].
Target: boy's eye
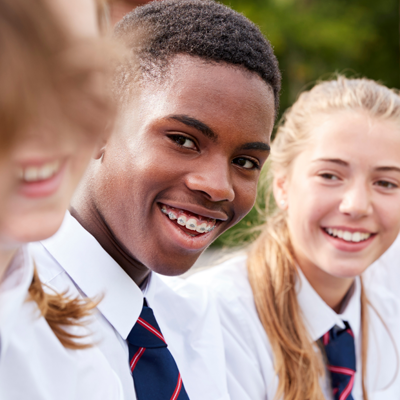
[[245, 163], [183, 141]]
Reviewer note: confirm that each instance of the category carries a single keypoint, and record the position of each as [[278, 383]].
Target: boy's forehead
[[193, 81]]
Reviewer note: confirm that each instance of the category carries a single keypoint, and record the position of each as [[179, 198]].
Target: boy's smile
[[183, 164]]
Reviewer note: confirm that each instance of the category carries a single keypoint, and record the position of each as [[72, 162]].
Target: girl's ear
[[279, 186]]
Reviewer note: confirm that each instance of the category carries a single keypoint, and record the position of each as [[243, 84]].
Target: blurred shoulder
[[228, 279]]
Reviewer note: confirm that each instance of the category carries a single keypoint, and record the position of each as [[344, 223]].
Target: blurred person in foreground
[[180, 167], [298, 320], [53, 104]]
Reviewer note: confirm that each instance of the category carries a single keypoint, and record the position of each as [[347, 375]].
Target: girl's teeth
[[33, 173], [182, 220], [356, 237], [348, 236]]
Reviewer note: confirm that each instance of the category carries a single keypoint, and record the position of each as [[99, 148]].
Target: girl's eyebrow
[[387, 168], [333, 160]]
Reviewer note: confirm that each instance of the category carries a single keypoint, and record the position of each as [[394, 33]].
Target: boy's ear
[[100, 149], [279, 186], [102, 142]]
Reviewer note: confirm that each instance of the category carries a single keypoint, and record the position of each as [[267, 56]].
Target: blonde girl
[[298, 322]]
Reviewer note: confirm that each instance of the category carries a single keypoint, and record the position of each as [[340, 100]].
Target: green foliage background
[[312, 40]]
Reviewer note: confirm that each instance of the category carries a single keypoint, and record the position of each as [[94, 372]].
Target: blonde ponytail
[[272, 275]]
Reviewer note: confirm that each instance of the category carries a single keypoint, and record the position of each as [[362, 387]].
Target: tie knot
[[146, 332]]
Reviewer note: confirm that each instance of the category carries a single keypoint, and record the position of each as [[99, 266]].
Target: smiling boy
[[180, 168]]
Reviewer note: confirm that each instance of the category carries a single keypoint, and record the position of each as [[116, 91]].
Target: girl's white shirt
[[33, 363], [249, 356]]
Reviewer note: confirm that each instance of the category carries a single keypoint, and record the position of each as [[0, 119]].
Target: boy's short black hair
[[160, 30]]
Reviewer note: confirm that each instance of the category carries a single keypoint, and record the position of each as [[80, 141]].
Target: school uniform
[[249, 356], [33, 363], [386, 270], [73, 260]]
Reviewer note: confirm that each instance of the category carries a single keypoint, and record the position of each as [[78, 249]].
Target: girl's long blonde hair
[[271, 262], [45, 74]]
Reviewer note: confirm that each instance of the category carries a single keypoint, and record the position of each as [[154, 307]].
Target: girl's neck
[[6, 255], [331, 289]]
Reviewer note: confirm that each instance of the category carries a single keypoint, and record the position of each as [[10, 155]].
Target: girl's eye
[[246, 163], [328, 176], [183, 141], [386, 184]]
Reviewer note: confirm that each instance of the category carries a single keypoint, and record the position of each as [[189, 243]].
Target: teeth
[[33, 173], [191, 224], [199, 224], [356, 237], [182, 220], [201, 228], [348, 236]]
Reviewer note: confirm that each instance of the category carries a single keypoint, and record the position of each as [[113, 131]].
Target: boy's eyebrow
[[195, 123], [256, 146]]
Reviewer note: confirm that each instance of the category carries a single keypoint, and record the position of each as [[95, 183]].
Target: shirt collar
[[96, 274], [13, 292], [319, 317]]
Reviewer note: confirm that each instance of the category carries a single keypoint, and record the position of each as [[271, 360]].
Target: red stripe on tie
[[150, 328], [136, 357], [341, 370], [325, 338], [350, 332], [346, 392], [177, 389]]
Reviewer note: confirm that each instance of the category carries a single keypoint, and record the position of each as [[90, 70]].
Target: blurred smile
[[41, 179]]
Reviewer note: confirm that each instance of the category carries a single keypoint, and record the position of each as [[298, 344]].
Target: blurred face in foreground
[[40, 170], [343, 197]]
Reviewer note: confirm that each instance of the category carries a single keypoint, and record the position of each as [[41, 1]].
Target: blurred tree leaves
[[313, 39]]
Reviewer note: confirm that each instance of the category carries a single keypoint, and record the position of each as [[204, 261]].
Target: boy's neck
[[87, 214]]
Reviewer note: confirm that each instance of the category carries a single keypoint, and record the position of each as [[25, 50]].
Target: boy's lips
[[192, 223], [190, 230]]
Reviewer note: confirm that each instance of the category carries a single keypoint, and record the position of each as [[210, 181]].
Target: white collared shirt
[[249, 356], [386, 270], [33, 363], [73, 260]]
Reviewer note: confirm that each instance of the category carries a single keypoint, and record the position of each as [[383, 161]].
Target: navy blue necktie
[[155, 373], [341, 354]]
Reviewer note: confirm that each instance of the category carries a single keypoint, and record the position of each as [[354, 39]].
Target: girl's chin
[[32, 228], [346, 271]]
